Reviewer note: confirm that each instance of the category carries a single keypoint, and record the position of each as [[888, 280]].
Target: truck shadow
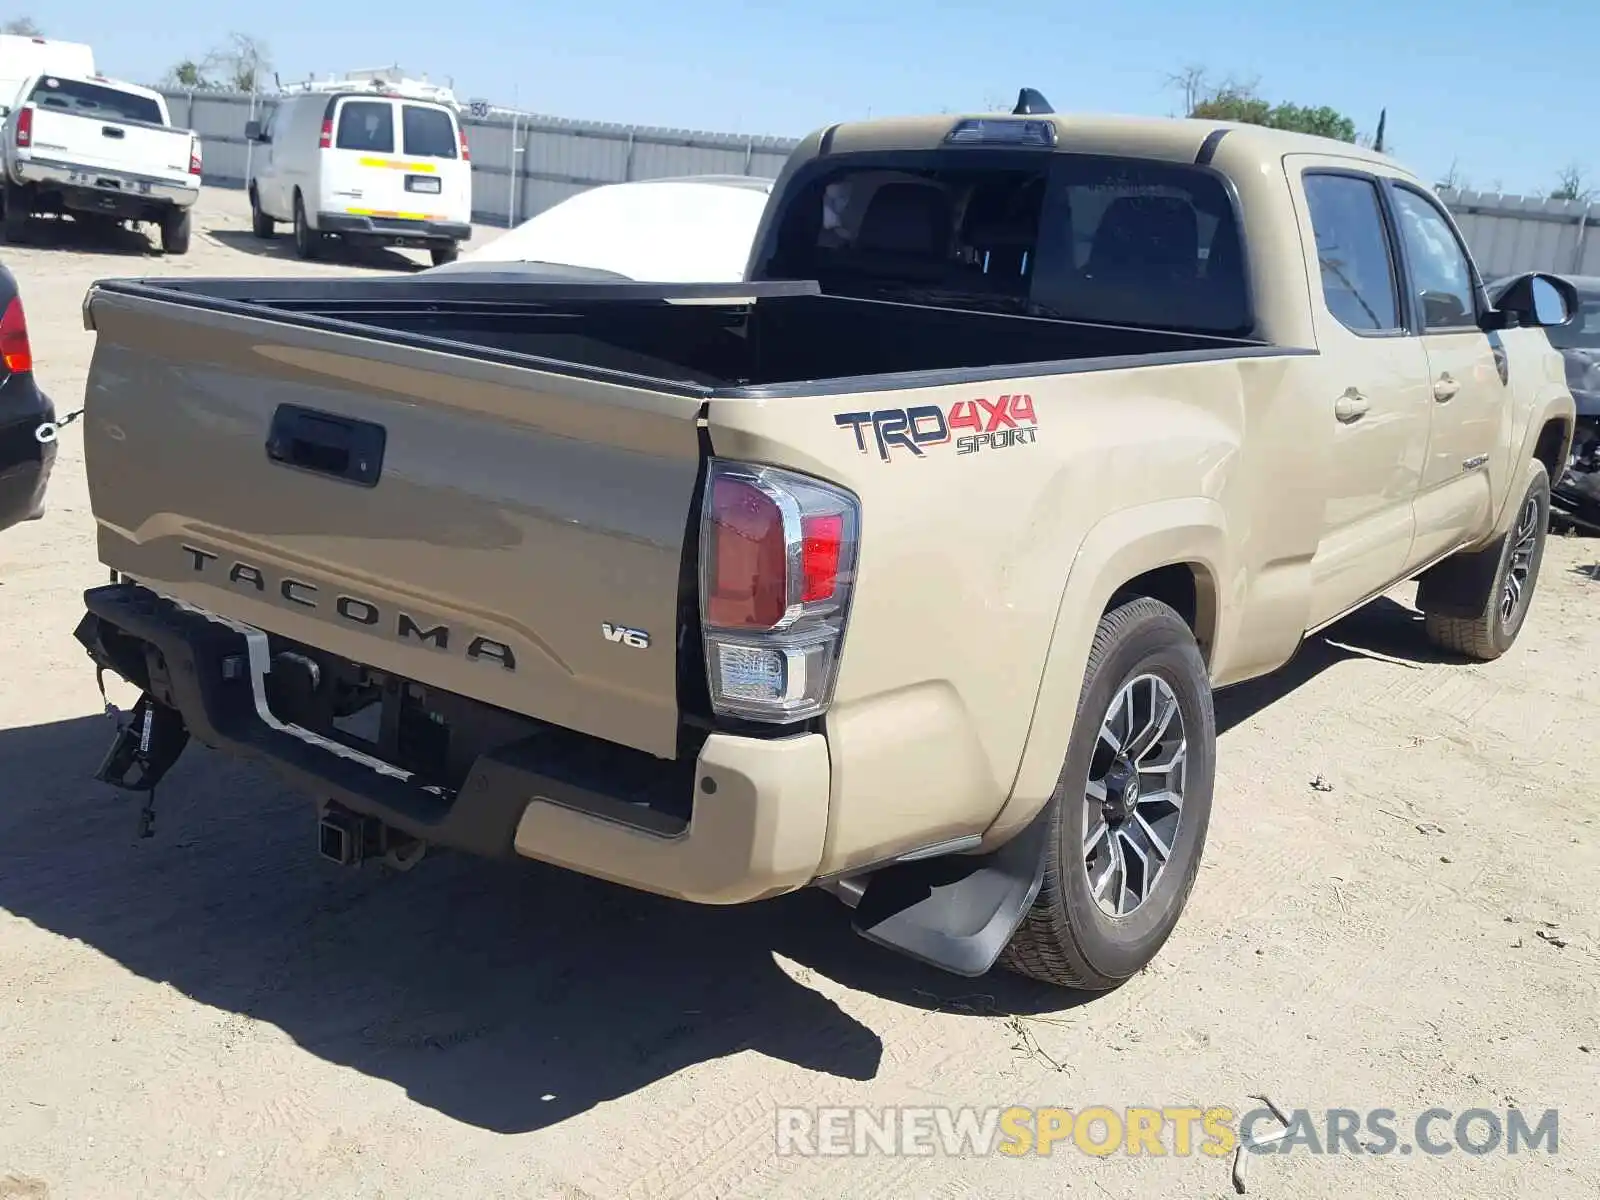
[[508, 996], [1385, 630], [336, 253], [64, 233]]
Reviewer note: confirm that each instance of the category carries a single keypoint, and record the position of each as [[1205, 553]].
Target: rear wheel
[[307, 241], [1131, 807], [15, 223], [446, 253], [1483, 601], [261, 225], [175, 227]]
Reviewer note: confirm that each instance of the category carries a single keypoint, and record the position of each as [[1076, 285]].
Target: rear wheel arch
[[1188, 588], [1174, 551]]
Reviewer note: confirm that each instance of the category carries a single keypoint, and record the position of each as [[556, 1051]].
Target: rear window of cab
[[91, 100], [368, 125]]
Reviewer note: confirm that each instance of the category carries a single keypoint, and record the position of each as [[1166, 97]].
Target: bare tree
[[1453, 180], [1572, 184], [22, 27], [1192, 82], [243, 63]]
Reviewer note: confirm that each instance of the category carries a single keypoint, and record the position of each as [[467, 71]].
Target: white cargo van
[[374, 162], [24, 58]]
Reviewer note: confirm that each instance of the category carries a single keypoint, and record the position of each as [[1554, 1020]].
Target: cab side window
[[1440, 268], [1358, 275]]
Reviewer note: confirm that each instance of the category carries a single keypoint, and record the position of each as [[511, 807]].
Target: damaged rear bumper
[[757, 807]]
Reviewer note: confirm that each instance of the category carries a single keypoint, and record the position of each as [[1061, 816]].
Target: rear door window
[[429, 132], [1358, 276], [366, 125], [92, 100]]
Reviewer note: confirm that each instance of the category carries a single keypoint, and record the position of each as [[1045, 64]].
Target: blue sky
[[1463, 80]]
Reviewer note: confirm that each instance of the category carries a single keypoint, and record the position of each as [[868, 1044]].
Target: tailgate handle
[[113, 131], [339, 447]]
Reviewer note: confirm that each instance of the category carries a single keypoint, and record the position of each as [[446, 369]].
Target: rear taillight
[[25, 127], [777, 566], [466, 154], [326, 139], [14, 348], [194, 156]]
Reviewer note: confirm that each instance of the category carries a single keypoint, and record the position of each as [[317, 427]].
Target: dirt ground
[[1397, 910]]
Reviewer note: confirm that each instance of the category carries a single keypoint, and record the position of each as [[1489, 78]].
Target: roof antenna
[[1029, 101], [1377, 142]]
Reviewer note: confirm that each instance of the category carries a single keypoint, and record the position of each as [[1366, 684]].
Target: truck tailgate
[[111, 145], [495, 530]]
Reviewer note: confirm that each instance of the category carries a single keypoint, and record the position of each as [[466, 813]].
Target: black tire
[[1067, 939], [307, 241], [175, 229], [18, 200], [446, 253], [261, 225], [1466, 604]]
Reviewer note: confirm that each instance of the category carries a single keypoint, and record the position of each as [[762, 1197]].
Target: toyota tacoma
[[905, 567]]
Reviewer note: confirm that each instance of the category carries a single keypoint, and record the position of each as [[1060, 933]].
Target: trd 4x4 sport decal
[[995, 425]]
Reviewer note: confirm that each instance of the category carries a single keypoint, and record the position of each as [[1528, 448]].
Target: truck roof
[[1175, 139]]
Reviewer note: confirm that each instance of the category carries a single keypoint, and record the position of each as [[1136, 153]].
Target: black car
[[25, 461], [1576, 495], [1577, 492]]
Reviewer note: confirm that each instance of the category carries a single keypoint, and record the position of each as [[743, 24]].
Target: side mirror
[[252, 132], [1536, 299]]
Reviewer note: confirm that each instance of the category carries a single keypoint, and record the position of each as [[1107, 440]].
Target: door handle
[[1351, 406], [326, 444], [1445, 387]]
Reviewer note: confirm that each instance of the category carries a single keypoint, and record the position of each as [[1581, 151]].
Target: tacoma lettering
[[356, 611]]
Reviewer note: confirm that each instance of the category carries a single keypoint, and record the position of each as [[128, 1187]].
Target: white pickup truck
[[102, 151]]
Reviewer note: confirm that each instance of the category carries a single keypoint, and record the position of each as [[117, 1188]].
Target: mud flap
[[957, 912], [1460, 585]]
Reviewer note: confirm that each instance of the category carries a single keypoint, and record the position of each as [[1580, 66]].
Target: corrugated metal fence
[[521, 164], [1528, 233]]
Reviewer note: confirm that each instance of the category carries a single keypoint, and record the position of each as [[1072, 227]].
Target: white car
[[695, 229], [99, 150], [374, 162]]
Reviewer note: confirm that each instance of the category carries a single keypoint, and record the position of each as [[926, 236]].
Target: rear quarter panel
[[983, 574]]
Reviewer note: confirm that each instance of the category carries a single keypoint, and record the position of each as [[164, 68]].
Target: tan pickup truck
[[905, 568]]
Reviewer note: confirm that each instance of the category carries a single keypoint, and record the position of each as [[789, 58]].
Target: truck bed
[[464, 483], [756, 339]]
